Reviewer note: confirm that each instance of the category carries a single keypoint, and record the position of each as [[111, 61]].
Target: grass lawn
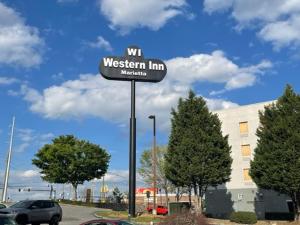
[[124, 215], [113, 214]]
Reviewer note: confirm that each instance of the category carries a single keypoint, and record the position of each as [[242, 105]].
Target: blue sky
[[232, 52]]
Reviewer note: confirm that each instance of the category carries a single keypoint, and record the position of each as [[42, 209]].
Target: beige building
[[241, 193]]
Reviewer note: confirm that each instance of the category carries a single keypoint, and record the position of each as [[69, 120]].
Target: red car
[[160, 210], [106, 222]]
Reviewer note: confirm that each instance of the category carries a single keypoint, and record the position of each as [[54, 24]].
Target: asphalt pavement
[[75, 215]]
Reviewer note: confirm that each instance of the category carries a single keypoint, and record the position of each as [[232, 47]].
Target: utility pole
[[4, 193]]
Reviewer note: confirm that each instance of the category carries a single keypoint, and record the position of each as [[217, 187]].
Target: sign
[[104, 189], [132, 66]]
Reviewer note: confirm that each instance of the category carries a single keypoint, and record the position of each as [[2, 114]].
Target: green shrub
[[279, 216], [243, 217]]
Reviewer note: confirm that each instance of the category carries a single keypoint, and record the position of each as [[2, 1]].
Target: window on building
[[246, 151], [240, 196], [246, 175], [244, 127]]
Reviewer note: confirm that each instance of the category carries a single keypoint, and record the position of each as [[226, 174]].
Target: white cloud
[[30, 138], [277, 20], [20, 44], [218, 104], [26, 135], [13, 93], [21, 147], [217, 5], [46, 137], [7, 80], [92, 95], [24, 179], [28, 174], [126, 15], [58, 76], [67, 1], [215, 68], [118, 177], [282, 33], [115, 176], [100, 43]]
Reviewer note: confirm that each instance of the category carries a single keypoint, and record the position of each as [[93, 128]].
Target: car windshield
[[22, 205], [7, 221]]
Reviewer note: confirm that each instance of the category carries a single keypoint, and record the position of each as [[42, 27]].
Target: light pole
[[4, 193], [154, 164]]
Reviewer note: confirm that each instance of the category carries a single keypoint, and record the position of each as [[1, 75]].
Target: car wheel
[[22, 220], [54, 220], [36, 224]]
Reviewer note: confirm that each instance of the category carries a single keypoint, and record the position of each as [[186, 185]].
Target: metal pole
[[51, 191], [132, 154], [4, 193], [102, 191], [154, 166]]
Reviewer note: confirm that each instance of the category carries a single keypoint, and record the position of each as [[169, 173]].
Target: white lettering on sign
[[131, 65], [156, 66], [134, 51], [116, 64], [133, 73], [110, 62]]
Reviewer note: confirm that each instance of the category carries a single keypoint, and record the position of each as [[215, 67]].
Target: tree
[[117, 195], [146, 171], [276, 162], [70, 160], [198, 154]]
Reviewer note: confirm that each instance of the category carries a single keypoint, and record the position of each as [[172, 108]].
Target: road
[[74, 215]]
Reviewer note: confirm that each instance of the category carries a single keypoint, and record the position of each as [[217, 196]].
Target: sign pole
[[132, 154], [132, 67]]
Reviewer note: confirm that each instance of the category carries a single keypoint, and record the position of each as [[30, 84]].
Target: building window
[[246, 175], [244, 127], [240, 197], [246, 151]]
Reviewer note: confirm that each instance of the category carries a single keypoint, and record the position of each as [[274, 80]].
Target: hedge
[[279, 216], [243, 217]]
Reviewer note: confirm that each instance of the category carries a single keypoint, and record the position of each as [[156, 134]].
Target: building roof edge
[[244, 106]]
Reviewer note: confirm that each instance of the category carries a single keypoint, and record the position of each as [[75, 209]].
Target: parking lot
[[75, 215]]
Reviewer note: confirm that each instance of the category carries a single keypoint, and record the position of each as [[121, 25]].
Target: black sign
[[132, 66]]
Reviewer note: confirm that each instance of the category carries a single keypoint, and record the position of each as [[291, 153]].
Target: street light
[[154, 164]]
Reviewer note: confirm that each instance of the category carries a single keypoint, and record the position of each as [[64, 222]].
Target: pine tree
[[276, 163], [198, 154]]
